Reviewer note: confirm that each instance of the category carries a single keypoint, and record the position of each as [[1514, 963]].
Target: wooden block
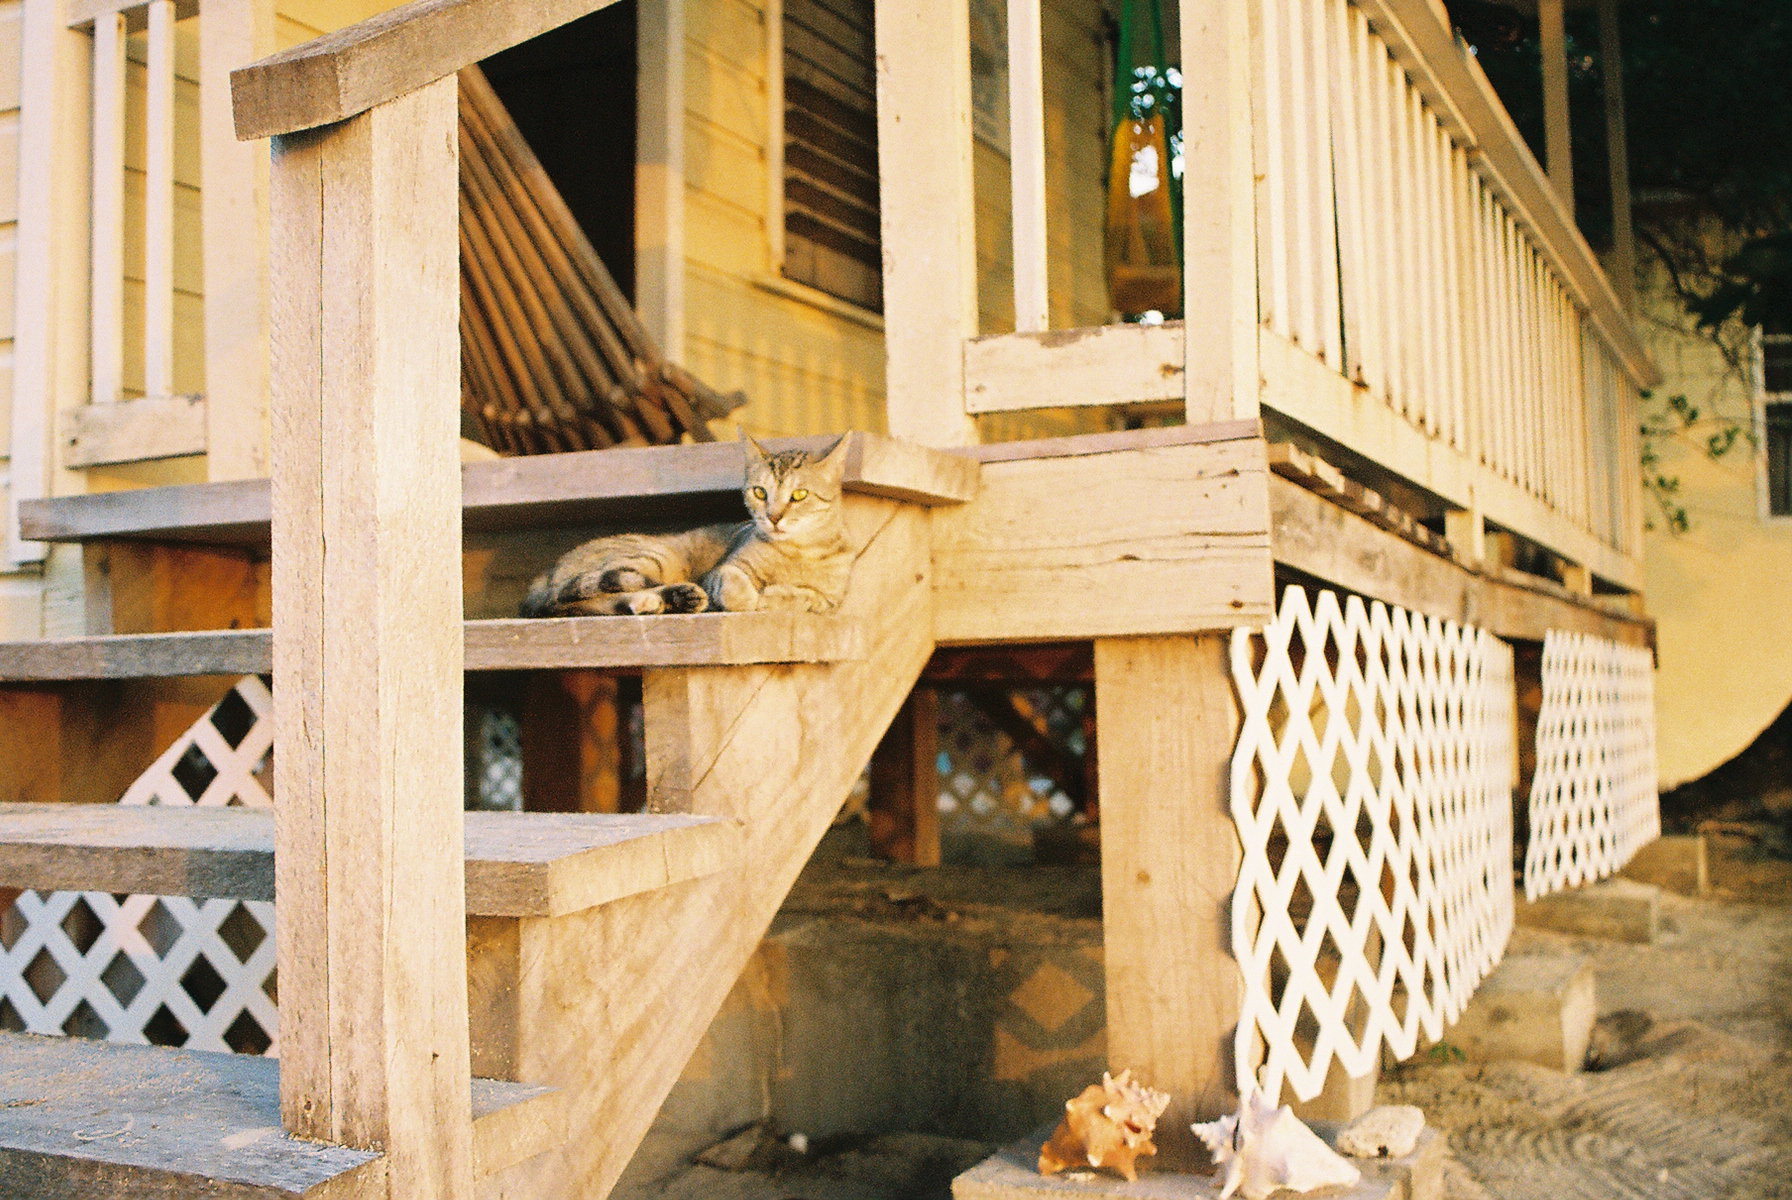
[[1099, 365], [1674, 863], [1167, 721], [133, 430], [1536, 1008], [1621, 910], [1165, 539], [517, 864]]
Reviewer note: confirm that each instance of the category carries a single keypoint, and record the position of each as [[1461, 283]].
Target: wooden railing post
[[368, 642], [929, 217], [1219, 215], [234, 220]]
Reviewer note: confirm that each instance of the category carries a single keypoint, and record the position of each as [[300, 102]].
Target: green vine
[[1677, 419]]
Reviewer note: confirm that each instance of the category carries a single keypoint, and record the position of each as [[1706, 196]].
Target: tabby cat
[[792, 554]]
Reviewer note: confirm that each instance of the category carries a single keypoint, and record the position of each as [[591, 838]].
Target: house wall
[[1721, 593]]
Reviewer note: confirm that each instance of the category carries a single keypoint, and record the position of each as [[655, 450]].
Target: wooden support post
[[905, 820], [929, 216], [1219, 231], [1553, 41], [368, 640], [1577, 579], [1466, 532], [1617, 153], [234, 219], [659, 174], [1168, 720]]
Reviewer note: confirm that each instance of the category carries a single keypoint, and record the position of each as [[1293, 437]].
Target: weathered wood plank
[[1327, 542], [1169, 860], [1098, 365], [348, 72], [368, 641], [588, 486], [1167, 539], [133, 430], [562, 643], [517, 864], [202, 1121]]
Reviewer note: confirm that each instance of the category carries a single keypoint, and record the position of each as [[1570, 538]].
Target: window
[[1776, 383], [830, 150]]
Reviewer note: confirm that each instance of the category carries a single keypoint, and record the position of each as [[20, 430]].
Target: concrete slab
[[1012, 1174], [1620, 910], [1676, 864], [1535, 1008]]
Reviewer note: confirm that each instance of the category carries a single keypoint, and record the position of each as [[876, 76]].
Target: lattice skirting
[[1371, 787], [171, 970], [1593, 798]]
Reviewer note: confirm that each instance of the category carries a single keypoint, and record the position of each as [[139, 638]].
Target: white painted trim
[[790, 289], [1026, 165], [659, 173]]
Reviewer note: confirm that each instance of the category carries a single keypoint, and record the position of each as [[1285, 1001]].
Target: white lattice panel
[[1371, 787], [1593, 799], [143, 968]]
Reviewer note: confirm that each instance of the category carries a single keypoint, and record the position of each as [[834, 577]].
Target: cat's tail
[[539, 602]]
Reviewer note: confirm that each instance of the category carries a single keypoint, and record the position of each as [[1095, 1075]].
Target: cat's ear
[[755, 452], [834, 461]]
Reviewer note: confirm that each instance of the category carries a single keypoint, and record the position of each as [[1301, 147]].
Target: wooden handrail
[[341, 74], [83, 13], [1418, 33]]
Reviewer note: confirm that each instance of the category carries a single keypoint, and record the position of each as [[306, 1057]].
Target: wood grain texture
[[517, 864], [1331, 544], [203, 1122], [1169, 859], [1160, 540], [597, 485], [133, 430], [368, 641], [562, 643], [611, 1002], [929, 224], [1099, 365], [348, 72]]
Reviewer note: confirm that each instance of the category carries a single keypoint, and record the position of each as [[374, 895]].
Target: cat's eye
[[800, 494], [759, 492]]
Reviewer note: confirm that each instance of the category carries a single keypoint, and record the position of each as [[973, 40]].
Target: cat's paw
[[732, 591], [684, 598], [792, 598], [622, 579], [641, 604]]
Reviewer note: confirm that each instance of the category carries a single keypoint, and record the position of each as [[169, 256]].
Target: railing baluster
[[107, 348], [1026, 164], [158, 205]]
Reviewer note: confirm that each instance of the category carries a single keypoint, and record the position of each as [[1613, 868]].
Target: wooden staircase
[[598, 946]]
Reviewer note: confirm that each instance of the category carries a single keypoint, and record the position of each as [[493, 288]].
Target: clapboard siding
[[20, 595]]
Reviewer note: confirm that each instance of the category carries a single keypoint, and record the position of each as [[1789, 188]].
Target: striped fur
[[792, 552]]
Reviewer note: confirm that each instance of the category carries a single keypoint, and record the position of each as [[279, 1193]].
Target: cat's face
[[790, 495]]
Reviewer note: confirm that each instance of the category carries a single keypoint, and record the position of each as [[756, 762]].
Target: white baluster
[[1026, 164], [107, 361], [158, 205]]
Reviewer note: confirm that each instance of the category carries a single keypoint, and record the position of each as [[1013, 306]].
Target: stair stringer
[[609, 1004]]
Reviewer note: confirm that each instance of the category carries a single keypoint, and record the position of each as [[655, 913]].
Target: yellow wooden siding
[[20, 604]]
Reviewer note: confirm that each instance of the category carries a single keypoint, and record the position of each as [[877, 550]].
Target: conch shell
[[1108, 1125], [1265, 1148]]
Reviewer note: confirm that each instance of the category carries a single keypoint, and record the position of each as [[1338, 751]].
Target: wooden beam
[[1331, 544], [1553, 45], [1219, 224], [1617, 154], [929, 216], [905, 784], [373, 1017], [134, 430], [516, 864], [234, 242], [625, 485], [1098, 365], [1169, 539], [392, 54], [1167, 721]]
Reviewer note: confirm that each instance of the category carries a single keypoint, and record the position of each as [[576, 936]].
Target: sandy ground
[[1692, 1099], [1695, 1102]]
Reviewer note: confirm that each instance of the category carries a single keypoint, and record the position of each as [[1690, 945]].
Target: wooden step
[[91, 1119], [555, 643], [658, 483], [518, 864]]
